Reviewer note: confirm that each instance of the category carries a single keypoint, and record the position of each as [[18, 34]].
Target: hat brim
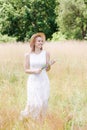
[[32, 40]]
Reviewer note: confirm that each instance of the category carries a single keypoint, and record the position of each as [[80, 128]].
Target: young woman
[[36, 65]]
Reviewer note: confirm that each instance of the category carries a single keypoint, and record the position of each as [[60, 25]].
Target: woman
[[36, 65]]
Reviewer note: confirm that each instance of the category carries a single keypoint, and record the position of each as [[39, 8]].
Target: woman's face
[[39, 42]]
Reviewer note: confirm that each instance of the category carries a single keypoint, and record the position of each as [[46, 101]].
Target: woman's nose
[[41, 43]]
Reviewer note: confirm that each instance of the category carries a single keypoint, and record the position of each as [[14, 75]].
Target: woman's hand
[[48, 67], [38, 71]]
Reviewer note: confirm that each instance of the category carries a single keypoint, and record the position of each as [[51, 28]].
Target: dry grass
[[68, 87]]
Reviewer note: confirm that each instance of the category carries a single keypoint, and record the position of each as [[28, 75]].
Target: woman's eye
[[40, 40]]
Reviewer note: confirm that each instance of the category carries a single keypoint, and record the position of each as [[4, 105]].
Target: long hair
[[33, 47]]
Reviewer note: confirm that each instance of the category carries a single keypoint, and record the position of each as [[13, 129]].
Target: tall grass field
[[67, 108]]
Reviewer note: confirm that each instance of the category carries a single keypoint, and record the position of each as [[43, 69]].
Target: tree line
[[56, 18]]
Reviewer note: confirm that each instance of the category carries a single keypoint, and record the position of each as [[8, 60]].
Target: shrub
[[58, 36], [6, 38]]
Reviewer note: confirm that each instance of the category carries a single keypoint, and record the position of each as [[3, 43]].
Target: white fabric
[[37, 88]]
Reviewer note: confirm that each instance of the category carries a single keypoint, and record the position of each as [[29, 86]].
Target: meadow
[[67, 109]]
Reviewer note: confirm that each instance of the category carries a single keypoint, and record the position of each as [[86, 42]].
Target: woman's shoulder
[[27, 54], [47, 53]]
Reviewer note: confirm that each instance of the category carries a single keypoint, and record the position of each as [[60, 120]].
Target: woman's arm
[[27, 66], [47, 61]]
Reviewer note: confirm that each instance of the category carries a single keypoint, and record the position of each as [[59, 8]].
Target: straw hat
[[40, 34]]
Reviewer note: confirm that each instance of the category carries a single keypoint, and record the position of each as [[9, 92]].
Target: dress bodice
[[37, 60]]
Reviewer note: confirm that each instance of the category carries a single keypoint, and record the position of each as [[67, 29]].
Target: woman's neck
[[37, 50]]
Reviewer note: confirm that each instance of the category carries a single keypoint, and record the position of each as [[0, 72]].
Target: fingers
[[39, 71]]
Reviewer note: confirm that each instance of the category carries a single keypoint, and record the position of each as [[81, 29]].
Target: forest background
[[58, 19]]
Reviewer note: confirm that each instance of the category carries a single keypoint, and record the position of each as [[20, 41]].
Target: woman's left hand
[[48, 67]]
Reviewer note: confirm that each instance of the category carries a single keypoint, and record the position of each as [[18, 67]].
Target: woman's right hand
[[38, 71]]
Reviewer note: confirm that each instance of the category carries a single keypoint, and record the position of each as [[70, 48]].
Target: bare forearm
[[33, 71], [29, 71]]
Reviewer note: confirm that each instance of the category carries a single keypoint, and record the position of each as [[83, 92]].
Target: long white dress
[[37, 88]]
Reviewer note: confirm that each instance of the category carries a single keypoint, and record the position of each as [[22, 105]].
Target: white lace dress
[[37, 88]]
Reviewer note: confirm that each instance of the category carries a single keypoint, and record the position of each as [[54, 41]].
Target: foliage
[[72, 18], [58, 36], [58, 19], [6, 38], [23, 18]]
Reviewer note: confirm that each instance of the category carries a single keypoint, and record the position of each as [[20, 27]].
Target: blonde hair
[[34, 40]]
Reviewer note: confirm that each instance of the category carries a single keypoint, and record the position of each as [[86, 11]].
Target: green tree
[[22, 18], [72, 18]]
